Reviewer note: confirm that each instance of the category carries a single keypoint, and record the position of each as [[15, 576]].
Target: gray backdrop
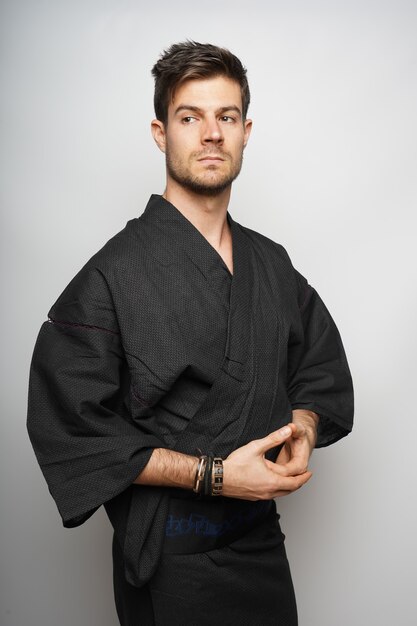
[[330, 172]]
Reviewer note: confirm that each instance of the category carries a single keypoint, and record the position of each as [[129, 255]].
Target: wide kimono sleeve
[[79, 423], [319, 378]]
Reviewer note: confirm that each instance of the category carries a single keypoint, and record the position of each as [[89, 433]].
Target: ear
[[159, 135], [247, 131]]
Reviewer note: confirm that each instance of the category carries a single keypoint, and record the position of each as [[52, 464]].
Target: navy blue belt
[[200, 525]]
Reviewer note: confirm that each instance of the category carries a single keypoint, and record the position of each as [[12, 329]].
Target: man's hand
[[295, 455], [248, 475]]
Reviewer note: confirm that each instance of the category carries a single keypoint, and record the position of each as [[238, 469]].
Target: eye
[[227, 118], [189, 119]]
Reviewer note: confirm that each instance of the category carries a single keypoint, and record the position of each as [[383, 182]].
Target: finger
[[281, 494], [296, 466], [298, 431], [284, 454], [292, 483], [278, 468], [285, 479], [275, 438]]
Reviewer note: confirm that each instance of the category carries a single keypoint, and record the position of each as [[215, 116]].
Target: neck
[[206, 213]]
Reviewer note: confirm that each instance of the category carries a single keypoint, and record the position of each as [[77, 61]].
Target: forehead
[[207, 93]]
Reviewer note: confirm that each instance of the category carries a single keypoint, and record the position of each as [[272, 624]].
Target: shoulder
[[124, 248], [92, 288]]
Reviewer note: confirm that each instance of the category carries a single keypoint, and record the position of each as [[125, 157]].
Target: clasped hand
[[249, 475]]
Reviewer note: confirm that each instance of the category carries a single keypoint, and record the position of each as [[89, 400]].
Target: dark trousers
[[247, 583]]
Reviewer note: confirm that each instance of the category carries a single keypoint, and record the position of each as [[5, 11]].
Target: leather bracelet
[[207, 490], [199, 475], [217, 477]]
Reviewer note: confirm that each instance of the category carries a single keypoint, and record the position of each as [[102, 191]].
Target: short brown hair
[[192, 60]]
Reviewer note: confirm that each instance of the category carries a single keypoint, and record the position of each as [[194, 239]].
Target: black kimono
[[155, 344]]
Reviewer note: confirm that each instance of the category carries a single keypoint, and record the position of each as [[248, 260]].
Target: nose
[[212, 131]]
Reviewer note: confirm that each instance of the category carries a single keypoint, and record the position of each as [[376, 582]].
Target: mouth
[[211, 159]]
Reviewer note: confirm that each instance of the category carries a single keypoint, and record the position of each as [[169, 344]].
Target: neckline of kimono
[[190, 226], [244, 287]]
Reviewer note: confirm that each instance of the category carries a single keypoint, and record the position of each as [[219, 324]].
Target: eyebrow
[[190, 107]]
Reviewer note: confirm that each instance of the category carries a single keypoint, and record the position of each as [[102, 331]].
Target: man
[[186, 374]]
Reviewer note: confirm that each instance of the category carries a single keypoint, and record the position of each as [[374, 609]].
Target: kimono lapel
[[180, 235], [222, 417], [243, 302], [238, 294]]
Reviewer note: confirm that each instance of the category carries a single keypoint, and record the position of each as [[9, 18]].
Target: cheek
[[181, 146], [236, 141], [237, 150]]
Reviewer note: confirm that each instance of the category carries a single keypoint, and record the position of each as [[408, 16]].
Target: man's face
[[205, 135]]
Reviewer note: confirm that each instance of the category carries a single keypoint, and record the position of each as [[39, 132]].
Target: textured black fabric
[[246, 583], [134, 605], [155, 344]]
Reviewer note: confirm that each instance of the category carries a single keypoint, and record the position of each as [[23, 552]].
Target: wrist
[[306, 418], [229, 478], [309, 421]]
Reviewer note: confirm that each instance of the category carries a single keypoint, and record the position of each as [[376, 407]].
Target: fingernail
[[285, 431]]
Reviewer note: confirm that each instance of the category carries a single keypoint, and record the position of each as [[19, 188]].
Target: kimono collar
[[181, 232], [176, 230]]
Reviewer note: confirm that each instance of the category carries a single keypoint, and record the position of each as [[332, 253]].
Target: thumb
[[274, 439]]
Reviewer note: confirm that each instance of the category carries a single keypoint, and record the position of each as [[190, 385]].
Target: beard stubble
[[201, 184]]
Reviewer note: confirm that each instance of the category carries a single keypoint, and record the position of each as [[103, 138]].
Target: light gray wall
[[330, 172]]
